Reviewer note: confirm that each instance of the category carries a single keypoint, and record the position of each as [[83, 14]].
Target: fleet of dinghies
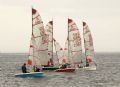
[[41, 48]]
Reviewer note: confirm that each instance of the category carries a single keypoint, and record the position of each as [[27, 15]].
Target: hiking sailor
[[24, 69]]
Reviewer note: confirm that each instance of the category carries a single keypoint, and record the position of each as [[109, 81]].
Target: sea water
[[106, 75]]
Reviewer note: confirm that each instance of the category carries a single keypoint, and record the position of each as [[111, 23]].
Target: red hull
[[66, 70]]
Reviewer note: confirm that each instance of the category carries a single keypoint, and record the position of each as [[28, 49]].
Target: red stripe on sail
[[51, 22], [64, 61], [31, 45], [84, 23], [69, 20], [50, 62], [33, 11], [29, 62], [65, 49], [89, 59], [86, 48]]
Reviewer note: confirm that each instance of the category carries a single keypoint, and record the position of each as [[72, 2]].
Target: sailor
[[24, 69], [66, 65], [36, 69], [87, 63], [63, 66]]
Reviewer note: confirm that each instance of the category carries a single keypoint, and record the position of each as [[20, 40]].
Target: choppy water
[[106, 75]]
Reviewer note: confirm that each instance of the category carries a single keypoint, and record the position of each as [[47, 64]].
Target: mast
[[32, 17], [32, 31], [68, 42], [52, 42]]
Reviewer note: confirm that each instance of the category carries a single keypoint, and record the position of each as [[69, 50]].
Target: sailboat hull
[[31, 74], [66, 70], [90, 68], [50, 68]]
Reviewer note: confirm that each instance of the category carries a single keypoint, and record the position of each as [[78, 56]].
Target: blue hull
[[31, 74]]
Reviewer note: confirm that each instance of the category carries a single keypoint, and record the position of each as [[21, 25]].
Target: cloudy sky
[[102, 16]]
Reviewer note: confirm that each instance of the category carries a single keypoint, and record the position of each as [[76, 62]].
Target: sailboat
[[74, 42], [38, 47], [89, 49], [49, 32], [72, 50]]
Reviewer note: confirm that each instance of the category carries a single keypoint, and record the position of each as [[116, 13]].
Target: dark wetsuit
[[87, 63], [37, 70], [24, 70], [65, 66]]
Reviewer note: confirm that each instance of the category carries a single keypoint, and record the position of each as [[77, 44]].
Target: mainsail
[[49, 32], [38, 46], [88, 43], [74, 42]]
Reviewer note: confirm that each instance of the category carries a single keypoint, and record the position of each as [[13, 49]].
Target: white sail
[[74, 43], [88, 43], [49, 32], [66, 51], [31, 51], [39, 38], [60, 54]]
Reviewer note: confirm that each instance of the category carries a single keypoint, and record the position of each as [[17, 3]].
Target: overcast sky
[[102, 16]]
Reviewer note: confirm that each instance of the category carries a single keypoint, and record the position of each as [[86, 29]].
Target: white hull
[[91, 68]]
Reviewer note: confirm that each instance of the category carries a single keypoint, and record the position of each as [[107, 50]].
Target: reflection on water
[[106, 75]]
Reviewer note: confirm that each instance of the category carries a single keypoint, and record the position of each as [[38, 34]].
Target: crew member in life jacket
[[87, 63], [66, 65], [24, 69], [36, 69]]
